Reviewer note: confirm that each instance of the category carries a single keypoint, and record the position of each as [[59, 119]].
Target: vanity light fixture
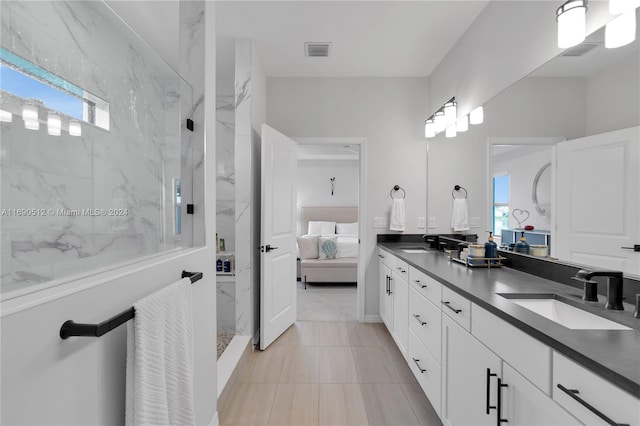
[[450, 111], [477, 115], [462, 125], [30, 117], [438, 120], [429, 128], [54, 124], [617, 7], [621, 30], [450, 131], [571, 17], [74, 128], [5, 116]]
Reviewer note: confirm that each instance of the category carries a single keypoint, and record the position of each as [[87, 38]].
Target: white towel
[[397, 220], [160, 358], [460, 216]]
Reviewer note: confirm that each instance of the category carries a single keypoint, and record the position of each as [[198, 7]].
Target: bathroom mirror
[[591, 91]]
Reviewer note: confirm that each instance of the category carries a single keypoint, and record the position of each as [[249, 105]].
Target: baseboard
[[215, 421], [229, 360], [372, 318]]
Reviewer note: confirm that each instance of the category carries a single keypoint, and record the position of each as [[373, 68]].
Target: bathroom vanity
[[486, 349]]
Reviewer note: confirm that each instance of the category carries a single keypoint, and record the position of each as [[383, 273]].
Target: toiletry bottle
[[219, 265], [226, 265], [222, 248], [522, 246], [490, 248]]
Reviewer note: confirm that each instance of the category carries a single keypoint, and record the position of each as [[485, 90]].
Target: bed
[[342, 267]]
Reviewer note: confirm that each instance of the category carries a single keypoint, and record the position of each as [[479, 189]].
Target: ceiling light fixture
[[621, 30], [571, 17], [477, 115]]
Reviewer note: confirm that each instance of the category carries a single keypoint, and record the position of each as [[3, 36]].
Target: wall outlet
[[421, 222], [432, 223], [380, 222], [474, 222]]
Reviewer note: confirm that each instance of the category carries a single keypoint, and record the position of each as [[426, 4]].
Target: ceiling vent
[[580, 49], [316, 49]]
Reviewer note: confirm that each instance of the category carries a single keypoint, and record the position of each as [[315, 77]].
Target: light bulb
[[5, 116], [617, 7], [450, 112], [74, 128], [462, 125], [571, 18], [477, 116], [451, 131], [621, 30], [438, 120], [429, 128], [54, 124]]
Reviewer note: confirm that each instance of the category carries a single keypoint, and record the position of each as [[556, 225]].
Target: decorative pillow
[[321, 228], [347, 228], [308, 246], [327, 247], [347, 246]]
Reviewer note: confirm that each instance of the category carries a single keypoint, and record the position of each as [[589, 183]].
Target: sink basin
[[417, 250], [552, 307]]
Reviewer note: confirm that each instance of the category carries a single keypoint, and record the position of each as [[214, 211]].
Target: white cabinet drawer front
[[385, 257], [426, 370], [427, 286], [526, 354], [402, 269], [457, 307], [616, 404], [425, 321]]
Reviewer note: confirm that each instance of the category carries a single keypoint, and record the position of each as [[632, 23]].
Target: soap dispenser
[[522, 246], [490, 248]]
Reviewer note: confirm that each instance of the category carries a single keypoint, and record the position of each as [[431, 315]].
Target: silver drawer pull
[[417, 317], [422, 370], [448, 305]]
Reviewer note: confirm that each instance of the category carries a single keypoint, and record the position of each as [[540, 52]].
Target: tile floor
[[326, 302], [326, 373]]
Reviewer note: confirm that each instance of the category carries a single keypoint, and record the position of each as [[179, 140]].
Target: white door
[[277, 235], [598, 200]]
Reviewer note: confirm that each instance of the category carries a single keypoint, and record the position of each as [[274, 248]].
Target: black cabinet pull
[[390, 292], [489, 376], [421, 285], [386, 290], [381, 256], [422, 370], [573, 393], [417, 317], [499, 409], [448, 305]]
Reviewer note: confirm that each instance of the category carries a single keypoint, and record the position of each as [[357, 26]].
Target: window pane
[[501, 189]]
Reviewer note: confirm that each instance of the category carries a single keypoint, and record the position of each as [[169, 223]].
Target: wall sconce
[[621, 30], [445, 119], [571, 17], [30, 117], [616, 7], [438, 121], [450, 131], [477, 115], [462, 125], [450, 112], [429, 128]]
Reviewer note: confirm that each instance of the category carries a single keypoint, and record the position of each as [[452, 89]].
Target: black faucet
[[614, 287]]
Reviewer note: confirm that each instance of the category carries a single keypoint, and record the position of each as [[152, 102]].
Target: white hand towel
[[397, 220], [160, 358], [460, 216]]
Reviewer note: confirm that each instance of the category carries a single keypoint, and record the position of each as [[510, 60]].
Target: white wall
[[314, 184], [389, 113], [46, 380]]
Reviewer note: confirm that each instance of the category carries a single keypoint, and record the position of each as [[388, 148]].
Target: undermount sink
[[416, 250], [554, 308]]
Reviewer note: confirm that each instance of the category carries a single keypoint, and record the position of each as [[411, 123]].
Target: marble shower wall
[[225, 167], [131, 166]]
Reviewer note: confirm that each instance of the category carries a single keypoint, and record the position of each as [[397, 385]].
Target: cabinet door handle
[[381, 256], [422, 370], [499, 418], [390, 292], [489, 376], [421, 285], [417, 317], [387, 289], [448, 305], [573, 393]]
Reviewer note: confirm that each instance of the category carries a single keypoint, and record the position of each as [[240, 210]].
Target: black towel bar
[[70, 328]]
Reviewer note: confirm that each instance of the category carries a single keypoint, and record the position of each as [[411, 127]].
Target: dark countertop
[[612, 354]]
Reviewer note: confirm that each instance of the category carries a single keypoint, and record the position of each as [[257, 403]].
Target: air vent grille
[[316, 49], [580, 49]]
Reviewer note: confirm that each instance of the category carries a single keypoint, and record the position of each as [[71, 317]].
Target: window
[[500, 204]]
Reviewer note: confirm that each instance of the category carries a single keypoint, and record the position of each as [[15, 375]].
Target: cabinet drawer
[[401, 269], [385, 257], [426, 370], [620, 406], [426, 323], [427, 286], [524, 353], [457, 307]]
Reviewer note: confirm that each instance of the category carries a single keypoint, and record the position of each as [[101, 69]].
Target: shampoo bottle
[[522, 246], [490, 248]]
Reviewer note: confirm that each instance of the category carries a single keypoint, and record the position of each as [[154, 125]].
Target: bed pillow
[[321, 228], [308, 246], [347, 228], [347, 246], [327, 247]]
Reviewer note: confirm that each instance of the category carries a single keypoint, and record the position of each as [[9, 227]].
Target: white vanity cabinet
[[386, 300], [394, 298]]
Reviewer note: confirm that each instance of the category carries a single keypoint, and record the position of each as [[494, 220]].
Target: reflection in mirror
[[588, 197]]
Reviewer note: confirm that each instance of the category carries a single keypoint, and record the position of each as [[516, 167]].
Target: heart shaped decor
[[520, 216]]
